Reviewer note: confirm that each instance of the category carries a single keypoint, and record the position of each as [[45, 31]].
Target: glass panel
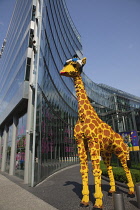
[[21, 143], [1, 150], [9, 144]]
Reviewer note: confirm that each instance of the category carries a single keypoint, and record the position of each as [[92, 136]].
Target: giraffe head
[[73, 69]]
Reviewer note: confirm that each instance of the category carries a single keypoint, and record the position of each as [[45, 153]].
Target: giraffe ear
[[84, 61]]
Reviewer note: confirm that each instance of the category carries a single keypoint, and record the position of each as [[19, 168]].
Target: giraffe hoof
[[132, 195], [84, 204]]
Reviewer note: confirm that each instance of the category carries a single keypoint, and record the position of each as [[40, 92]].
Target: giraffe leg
[[95, 154], [82, 152], [123, 159], [107, 160]]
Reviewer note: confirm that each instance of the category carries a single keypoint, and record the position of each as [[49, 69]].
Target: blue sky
[[110, 35], [6, 9]]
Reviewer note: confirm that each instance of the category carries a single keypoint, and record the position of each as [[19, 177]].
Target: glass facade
[[14, 59], [56, 102], [127, 109], [14, 70], [38, 105]]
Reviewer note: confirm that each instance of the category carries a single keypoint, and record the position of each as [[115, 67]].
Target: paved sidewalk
[[13, 197], [61, 190]]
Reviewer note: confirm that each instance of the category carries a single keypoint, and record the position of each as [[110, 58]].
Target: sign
[[131, 138]]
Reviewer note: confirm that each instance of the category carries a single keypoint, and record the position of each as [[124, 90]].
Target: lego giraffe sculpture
[[97, 137]]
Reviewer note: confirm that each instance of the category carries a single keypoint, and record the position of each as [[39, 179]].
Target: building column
[[32, 100], [0, 147], [4, 154], [13, 147], [134, 120], [124, 124], [113, 123], [117, 113], [29, 126]]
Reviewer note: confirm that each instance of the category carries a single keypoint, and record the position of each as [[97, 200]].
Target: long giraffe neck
[[84, 106]]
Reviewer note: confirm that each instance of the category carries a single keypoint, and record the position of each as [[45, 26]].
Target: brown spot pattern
[[88, 113], [87, 121], [86, 107], [77, 128], [83, 96], [81, 102], [106, 132], [95, 122], [91, 126]]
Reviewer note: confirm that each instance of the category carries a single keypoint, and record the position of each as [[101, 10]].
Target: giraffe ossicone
[[97, 137]]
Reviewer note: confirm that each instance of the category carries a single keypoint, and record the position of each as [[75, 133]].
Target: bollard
[[118, 201], [138, 194]]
